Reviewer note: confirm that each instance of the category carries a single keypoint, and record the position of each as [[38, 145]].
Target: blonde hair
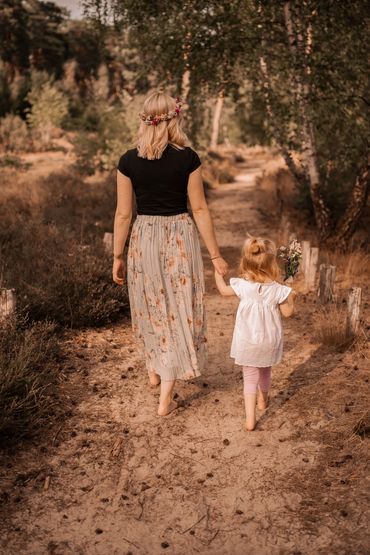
[[259, 260], [153, 139]]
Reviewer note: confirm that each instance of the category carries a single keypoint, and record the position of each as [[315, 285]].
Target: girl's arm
[[122, 222], [203, 220], [225, 290], [287, 307]]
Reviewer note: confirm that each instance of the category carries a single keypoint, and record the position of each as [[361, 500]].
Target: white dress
[[258, 334]]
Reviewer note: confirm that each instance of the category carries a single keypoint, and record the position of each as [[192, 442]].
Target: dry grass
[[353, 267], [52, 253], [27, 375], [330, 326]]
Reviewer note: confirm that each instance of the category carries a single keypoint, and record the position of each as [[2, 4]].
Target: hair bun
[[255, 248]]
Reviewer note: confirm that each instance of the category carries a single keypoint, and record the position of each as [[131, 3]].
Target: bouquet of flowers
[[291, 256]]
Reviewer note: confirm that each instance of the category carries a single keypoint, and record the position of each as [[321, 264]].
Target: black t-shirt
[[160, 185]]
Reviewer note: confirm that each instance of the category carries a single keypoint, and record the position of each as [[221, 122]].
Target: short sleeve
[[235, 284], [282, 293], [194, 161], [123, 165]]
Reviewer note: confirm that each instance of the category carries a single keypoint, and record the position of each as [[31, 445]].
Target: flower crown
[[155, 120]]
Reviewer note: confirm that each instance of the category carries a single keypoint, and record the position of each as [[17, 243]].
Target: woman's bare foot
[[263, 400], [154, 379], [164, 410]]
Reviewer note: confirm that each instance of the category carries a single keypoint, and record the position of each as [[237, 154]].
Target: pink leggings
[[254, 377]]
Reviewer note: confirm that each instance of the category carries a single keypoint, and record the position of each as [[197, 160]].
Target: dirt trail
[[124, 481]]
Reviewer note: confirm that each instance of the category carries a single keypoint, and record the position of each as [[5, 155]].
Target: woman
[[164, 266]]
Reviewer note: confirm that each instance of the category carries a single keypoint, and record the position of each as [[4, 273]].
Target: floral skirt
[[166, 291]]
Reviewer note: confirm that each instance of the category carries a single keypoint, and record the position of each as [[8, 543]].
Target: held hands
[[118, 271], [220, 265]]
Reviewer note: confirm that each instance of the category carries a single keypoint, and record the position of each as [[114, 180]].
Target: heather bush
[[28, 357], [53, 255]]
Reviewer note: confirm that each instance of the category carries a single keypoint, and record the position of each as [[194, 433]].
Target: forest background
[[290, 76]]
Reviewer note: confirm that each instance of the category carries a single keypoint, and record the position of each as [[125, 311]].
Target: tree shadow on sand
[[307, 374]]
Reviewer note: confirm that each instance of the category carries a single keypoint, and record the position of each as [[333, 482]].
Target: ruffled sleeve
[[236, 285], [282, 293]]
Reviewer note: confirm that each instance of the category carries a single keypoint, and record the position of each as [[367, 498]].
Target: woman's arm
[[225, 290], [287, 307], [122, 222], [203, 220]]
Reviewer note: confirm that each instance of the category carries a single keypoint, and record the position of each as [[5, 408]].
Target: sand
[[114, 479]]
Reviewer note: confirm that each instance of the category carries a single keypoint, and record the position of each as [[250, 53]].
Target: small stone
[[98, 531], [217, 400], [104, 500], [226, 442], [305, 459], [258, 444], [192, 532], [239, 512], [205, 384], [165, 545], [200, 480], [130, 369], [343, 513], [123, 377], [144, 487], [209, 475]]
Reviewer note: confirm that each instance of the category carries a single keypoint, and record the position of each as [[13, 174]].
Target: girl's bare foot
[[164, 410], [190, 375], [154, 379], [250, 411], [263, 400]]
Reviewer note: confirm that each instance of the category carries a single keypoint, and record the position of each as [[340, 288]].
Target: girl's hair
[[259, 260], [153, 139]]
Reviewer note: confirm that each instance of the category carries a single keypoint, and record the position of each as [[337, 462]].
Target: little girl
[[257, 342]]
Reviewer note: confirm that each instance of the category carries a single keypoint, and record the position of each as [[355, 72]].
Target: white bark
[[216, 119]]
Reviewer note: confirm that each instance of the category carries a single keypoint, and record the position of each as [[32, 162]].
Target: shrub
[[108, 135], [14, 134], [27, 375], [49, 107], [57, 264], [330, 327]]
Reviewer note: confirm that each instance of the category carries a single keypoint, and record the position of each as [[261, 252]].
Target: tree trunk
[[185, 85], [309, 154], [216, 119], [298, 176], [348, 223]]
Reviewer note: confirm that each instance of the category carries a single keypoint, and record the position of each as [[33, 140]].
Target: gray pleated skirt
[[166, 292]]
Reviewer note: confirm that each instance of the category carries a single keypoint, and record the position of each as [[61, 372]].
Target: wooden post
[[353, 310], [326, 283], [108, 242], [7, 303], [285, 229], [306, 246], [310, 277]]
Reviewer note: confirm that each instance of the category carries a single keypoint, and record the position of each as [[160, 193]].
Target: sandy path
[[124, 481]]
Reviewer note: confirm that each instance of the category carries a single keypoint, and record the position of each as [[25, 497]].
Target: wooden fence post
[[353, 310], [306, 246], [7, 303], [108, 242], [326, 283], [310, 277]]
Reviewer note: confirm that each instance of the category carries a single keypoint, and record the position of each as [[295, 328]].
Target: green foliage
[[52, 253], [49, 107], [28, 355], [109, 135]]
